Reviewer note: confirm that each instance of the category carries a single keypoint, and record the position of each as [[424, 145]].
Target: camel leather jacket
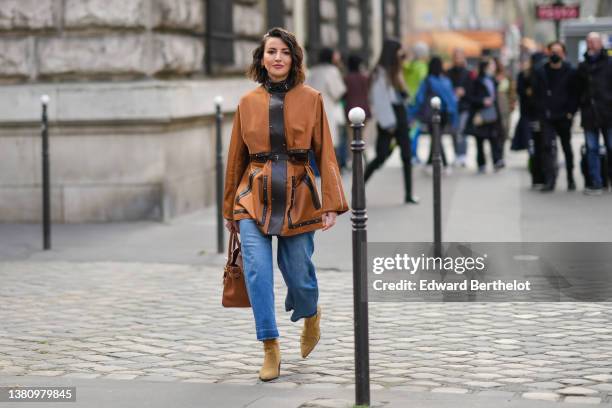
[[268, 176]]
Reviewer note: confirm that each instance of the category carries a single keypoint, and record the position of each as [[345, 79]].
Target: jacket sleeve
[[237, 161], [333, 198], [475, 96], [573, 91], [381, 103], [415, 107], [539, 91]]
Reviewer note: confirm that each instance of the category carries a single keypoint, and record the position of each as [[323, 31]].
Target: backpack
[[425, 112]]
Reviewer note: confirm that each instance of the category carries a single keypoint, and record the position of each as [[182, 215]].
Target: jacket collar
[[264, 91], [277, 87], [603, 54]]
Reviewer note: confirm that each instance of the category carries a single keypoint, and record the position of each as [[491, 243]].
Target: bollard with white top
[[46, 183], [359, 219], [219, 173], [436, 160]]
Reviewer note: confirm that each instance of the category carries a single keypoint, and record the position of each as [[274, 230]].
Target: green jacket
[[414, 72]]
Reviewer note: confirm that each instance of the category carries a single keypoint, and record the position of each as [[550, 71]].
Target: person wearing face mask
[[556, 104], [595, 85]]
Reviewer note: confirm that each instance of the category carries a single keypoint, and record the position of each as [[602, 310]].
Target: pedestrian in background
[[326, 78], [556, 97], [595, 85], [270, 190], [388, 96], [485, 114], [527, 133], [356, 81], [356, 88], [414, 71], [522, 133], [503, 101], [460, 77], [435, 84]]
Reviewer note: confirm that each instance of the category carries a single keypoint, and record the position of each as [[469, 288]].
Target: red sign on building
[[557, 12]]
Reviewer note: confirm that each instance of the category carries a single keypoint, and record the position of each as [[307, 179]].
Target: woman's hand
[[232, 226], [329, 220]]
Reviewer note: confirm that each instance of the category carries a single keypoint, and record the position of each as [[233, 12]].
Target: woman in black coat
[[485, 114], [524, 90]]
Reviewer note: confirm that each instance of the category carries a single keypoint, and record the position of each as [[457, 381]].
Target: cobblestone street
[[164, 322], [135, 133], [135, 309]]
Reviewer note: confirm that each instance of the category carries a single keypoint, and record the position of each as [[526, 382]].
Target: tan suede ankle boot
[[311, 333], [271, 365]]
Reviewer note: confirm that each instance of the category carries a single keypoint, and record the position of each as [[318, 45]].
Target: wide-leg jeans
[[294, 255]]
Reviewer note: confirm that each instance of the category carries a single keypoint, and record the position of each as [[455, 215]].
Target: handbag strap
[[231, 245], [234, 245]]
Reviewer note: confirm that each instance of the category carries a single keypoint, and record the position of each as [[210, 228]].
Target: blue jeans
[[592, 145], [459, 136], [294, 261]]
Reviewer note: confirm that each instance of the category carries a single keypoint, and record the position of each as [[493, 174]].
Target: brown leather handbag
[[234, 287]]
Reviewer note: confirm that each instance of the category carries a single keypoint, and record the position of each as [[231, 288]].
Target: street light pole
[[359, 219], [219, 176], [558, 22], [437, 164], [46, 207]]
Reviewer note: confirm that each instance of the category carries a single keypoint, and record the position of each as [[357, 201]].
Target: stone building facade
[[131, 86], [492, 15], [458, 14]]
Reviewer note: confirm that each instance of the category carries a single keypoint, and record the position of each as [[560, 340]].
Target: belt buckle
[[301, 157], [275, 157]]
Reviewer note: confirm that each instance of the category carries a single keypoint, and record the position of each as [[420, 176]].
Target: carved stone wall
[[49, 40]]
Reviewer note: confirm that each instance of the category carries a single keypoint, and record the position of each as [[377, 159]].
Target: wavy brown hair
[[390, 62], [259, 73]]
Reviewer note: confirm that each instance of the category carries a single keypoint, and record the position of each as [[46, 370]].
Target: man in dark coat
[[556, 97], [595, 85], [462, 83]]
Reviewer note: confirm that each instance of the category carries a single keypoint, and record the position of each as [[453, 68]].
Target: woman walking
[[357, 92], [270, 190], [326, 78], [504, 98], [387, 96], [436, 84], [486, 116]]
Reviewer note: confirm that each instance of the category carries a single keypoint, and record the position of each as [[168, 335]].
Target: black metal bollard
[[359, 219], [437, 167], [46, 188], [219, 151]]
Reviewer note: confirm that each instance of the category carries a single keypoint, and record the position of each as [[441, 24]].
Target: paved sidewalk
[[132, 311], [496, 207], [163, 322], [122, 394]]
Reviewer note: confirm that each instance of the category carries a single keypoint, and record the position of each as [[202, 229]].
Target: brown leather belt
[[300, 156]]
